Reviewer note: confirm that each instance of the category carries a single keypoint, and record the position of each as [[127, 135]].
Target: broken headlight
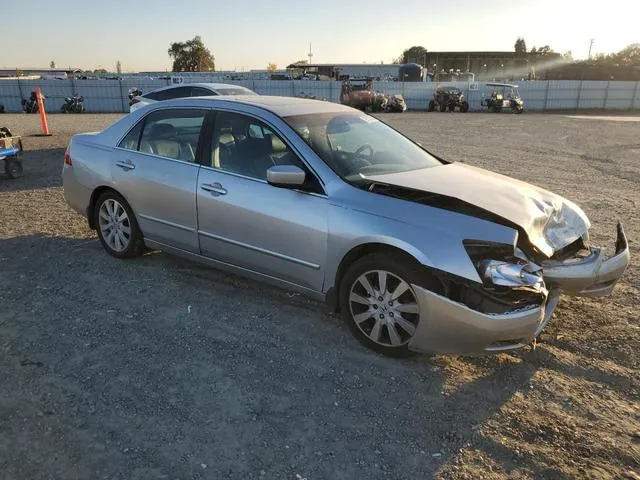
[[506, 274], [502, 266]]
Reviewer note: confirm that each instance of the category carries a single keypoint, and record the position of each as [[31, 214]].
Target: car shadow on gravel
[[42, 169], [213, 369]]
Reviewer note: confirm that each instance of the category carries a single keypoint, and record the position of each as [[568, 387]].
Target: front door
[[155, 169], [244, 221]]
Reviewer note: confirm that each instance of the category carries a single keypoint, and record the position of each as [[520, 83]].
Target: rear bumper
[[591, 276], [449, 327]]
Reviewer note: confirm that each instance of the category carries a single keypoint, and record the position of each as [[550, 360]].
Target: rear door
[[155, 169]]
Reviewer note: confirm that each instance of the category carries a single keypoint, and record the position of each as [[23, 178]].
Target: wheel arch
[[406, 251], [94, 198]]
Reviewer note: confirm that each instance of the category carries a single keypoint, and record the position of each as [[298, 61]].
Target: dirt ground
[[161, 368]]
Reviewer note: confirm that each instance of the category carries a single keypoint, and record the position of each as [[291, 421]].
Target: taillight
[[67, 157]]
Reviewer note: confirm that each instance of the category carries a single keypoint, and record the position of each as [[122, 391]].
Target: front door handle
[[214, 188], [126, 165]]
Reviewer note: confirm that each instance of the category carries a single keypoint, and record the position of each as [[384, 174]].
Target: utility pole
[[591, 45], [310, 54]]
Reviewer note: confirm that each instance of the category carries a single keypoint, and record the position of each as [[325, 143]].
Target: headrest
[[277, 145], [162, 131]]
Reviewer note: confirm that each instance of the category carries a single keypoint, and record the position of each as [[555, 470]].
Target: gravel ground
[[161, 368]]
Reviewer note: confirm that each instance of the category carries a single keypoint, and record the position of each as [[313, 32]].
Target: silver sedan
[[417, 254]]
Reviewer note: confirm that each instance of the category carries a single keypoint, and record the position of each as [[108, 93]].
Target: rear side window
[[131, 141], [169, 93], [171, 133], [201, 92]]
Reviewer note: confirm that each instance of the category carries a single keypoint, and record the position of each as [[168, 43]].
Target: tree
[[412, 55], [272, 67], [118, 67], [629, 56], [191, 56], [520, 47], [544, 50], [52, 65]]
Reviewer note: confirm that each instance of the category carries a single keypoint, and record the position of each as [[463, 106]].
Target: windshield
[[356, 145], [235, 91]]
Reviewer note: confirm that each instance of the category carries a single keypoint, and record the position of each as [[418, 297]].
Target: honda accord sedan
[[187, 90], [418, 254]]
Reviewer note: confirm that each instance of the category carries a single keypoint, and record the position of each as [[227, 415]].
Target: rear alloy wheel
[[379, 304], [117, 227]]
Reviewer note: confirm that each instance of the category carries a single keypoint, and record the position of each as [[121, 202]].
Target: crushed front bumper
[[590, 276], [449, 327]]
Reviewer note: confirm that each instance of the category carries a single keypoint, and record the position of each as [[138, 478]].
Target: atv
[[10, 151], [448, 98]]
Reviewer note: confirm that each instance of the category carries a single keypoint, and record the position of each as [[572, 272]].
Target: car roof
[[212, 86], [281, 106]]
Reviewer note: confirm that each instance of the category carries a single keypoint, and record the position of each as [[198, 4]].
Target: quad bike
[[448, 98], [10, 152], [73, 104], [31, 104], [133, 93]]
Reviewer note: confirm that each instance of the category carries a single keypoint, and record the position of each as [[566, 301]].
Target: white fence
[[111, 95]]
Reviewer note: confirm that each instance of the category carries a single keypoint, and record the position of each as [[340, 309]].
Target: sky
[[246, 35]]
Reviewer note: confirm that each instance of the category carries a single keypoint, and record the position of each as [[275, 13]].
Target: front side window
[[171, 133], [249, 147], [357, 146]]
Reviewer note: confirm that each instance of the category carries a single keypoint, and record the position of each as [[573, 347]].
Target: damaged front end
[[518, 285], [506, 311]]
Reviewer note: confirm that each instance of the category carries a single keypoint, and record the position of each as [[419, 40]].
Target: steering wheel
[[358, 153]]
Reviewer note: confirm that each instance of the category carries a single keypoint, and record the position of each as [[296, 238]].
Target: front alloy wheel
[[384, 307], [378, 301]]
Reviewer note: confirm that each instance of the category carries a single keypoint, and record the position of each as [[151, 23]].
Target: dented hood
[[550, 221]]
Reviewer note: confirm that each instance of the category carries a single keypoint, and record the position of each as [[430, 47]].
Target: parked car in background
[[417, 253], [187, 90]]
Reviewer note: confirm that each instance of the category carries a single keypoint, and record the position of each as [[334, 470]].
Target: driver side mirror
[[286, 176]]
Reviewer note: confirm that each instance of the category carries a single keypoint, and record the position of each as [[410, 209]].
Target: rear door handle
[[214, 189], [126, 165]]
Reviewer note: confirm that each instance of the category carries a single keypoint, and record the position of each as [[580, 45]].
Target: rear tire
[[13, 168], [117, 226], [432, 106], [464, 107], [443, 107], [383, 317]]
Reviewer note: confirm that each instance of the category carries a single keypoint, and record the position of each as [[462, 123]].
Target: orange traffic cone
[[43, 114]]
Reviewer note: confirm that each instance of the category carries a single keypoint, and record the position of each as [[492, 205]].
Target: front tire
[[379, 304], [117, 227], [432, 106]]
